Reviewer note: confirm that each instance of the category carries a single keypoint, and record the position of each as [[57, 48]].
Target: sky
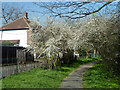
[[25, 6], [28, 5], [51, 0]]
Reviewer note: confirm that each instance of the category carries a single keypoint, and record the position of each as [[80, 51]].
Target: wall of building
[[15, 35]]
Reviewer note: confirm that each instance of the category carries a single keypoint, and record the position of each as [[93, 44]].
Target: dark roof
[[20, 23]]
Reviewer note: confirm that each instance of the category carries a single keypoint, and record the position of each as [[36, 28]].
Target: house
[[17, 31]]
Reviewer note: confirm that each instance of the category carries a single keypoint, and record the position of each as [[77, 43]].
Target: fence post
[[17, 58]]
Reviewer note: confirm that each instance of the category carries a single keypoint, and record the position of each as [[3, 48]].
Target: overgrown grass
[[84, 60], [97, 77], [41, 78]]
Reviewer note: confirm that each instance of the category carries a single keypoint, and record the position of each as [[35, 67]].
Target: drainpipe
[[1, 37], [1, 34]]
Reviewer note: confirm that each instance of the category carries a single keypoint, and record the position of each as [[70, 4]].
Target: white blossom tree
[[103, 34], [56, 38], [53, 39]]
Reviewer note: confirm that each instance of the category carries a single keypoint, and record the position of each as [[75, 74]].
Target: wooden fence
[[15, 54]]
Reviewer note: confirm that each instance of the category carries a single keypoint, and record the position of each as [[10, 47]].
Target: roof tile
[[19, 23]]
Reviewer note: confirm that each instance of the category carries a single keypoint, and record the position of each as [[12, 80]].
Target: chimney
[[25, 14]]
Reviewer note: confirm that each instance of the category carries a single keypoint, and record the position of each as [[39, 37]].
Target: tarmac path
[[74, 79]]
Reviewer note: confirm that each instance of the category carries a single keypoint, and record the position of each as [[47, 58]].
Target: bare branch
[[78, 9]]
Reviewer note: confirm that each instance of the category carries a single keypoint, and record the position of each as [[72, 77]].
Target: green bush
[[7, 43]]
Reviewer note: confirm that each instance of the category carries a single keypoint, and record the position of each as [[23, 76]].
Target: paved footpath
[[74, 79]]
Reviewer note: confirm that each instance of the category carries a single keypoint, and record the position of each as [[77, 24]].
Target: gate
[[21, 59]]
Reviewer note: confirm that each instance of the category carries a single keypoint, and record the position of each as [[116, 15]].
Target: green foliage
[[87, 60], [0, 84], [82, 52], [7, 43], [96, 58], [97, 77], [41, 78]]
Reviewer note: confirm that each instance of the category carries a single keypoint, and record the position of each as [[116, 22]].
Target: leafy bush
[[7, 43]]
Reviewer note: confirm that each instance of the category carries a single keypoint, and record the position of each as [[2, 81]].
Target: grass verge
[[41, 78], [97, 77]]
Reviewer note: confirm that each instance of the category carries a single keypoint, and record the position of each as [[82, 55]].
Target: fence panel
[[10, 55], [15, 59]]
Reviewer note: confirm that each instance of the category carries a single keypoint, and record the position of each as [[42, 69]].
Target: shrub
[[7, 43]]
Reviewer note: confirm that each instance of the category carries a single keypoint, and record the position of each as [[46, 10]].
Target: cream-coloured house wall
[[15, 35]]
